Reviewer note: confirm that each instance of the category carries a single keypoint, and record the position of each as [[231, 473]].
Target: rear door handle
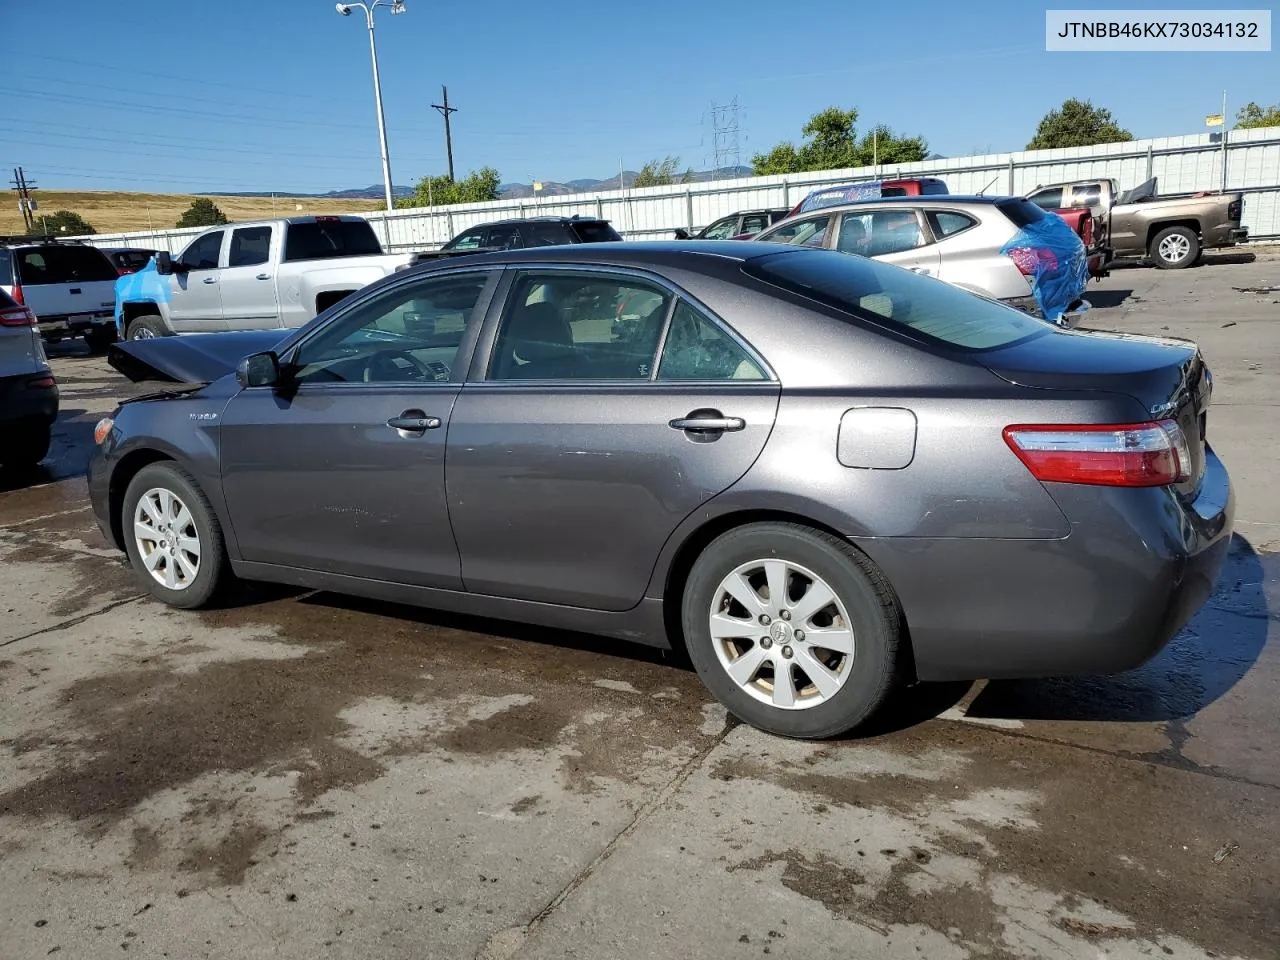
[[210, 279], [414, 421], [708, 423]]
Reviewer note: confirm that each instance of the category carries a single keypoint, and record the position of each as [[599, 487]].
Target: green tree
[[476, 187], [203, 212], [1077, 123], [658, 173], [1252, 115], [61, 221], [831, 142]]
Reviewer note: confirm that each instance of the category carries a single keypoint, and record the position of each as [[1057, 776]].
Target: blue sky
[[225, 95]]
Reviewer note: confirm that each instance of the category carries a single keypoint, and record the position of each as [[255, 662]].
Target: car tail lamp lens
[[103, 428], [17, 294], [1234, 209], [41, 383], [17, 317], [1110, 454], [1033, 260]]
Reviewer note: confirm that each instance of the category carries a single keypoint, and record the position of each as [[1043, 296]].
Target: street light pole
[[397, 6]]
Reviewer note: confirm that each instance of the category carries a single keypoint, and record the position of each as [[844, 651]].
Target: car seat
[[539, 336]]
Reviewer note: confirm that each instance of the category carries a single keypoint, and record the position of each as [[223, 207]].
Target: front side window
[[697, 348], [559, 326], [755, 222], [410, 334], [722, 229], [466, 241], [801, 233], [203, 252], [504, 236], [1050, 199], [250, 246]]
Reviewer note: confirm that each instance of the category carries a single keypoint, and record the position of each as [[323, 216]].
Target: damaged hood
[[193, 358]]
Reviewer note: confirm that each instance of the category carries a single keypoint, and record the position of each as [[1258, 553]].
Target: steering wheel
[[383, 368]]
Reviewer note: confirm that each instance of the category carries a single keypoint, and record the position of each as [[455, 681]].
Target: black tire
[[151, 324], [25, 444], [1189, 253], [99, 338], [213, 569], [867, 597]]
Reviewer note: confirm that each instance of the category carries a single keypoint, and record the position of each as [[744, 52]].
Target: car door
[[195, 298], [575, 449], [340, 468], [247, 282], [892, 234]]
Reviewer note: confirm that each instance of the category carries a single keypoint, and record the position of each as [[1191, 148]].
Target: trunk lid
[[1167, 376], [194, 358]]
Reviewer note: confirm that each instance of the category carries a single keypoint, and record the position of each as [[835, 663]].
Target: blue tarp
[[143, 285], [1055, 261], [830, 196]]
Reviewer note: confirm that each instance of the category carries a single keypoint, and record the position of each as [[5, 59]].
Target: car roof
[[930, 198], [490, 223], [689, 254]]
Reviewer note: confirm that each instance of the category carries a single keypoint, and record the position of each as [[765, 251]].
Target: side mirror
[[682, 233], [164, 263], [259, 370]]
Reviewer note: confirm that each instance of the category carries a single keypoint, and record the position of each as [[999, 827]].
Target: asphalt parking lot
[[305, 775]]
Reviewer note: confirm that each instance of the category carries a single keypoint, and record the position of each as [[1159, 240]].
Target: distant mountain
[[507, 191]]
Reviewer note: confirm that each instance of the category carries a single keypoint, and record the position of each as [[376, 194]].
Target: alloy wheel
[[165, 534]]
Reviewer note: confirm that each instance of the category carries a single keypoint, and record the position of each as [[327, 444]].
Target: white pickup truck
[[259, 275]]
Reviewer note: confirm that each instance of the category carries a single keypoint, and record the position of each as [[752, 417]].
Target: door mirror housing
[[259, 370], [164, 263]]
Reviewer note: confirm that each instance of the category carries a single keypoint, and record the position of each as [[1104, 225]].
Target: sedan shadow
[[1199, 666]]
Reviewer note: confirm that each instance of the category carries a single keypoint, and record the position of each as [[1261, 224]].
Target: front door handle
[[264, 276], [414, 422], [707, 422], [210, 279]]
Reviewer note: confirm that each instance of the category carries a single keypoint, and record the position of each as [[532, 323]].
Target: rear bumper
[[28, 397], [1137, 566], [75, 323]]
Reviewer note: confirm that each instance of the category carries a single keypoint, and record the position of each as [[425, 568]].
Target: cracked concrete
[[303, 775]]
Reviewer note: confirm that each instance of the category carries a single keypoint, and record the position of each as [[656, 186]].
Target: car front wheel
[[172, 536], [793, 630]]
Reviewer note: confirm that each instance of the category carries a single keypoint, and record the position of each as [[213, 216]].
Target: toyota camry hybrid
[[817, 474]]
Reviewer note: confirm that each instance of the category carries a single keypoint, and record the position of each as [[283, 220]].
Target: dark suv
[[532, 232]]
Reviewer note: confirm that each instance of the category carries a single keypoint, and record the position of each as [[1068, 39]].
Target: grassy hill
[[120, 212]]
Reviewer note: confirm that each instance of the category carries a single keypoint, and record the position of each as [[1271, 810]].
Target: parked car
[[250, 276], [28, 390], [1003, 248], [128, 259], [1172, 231], [817, 473], [736, 226], [870, 190], [68, 285], [519, 232]]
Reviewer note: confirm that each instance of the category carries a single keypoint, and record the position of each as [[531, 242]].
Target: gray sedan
[[818, 475]]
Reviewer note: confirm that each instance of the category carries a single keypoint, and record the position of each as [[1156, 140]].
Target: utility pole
[[1224, 141], [445, 110], [25, 203]]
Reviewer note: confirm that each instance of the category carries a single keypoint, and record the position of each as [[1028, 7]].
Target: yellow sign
[[1213, 120]]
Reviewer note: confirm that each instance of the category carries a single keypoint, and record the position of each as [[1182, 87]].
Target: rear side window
[[933, 187], [504, 236], [896, 297], [1050, 199], [945, 223], [326, 239], [6, 267], [1020, 211], [594, 231], [250, 246], [63, 264], [544, 234]]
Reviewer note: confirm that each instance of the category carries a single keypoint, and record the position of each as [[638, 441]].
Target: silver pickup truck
[[257, 275], [1172, 231]]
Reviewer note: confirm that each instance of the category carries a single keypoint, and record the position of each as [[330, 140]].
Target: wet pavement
[[299, 774]]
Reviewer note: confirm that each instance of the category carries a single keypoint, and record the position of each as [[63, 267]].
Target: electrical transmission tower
[[725, 149]]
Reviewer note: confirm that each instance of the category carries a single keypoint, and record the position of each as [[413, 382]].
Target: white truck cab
[[258, 275]]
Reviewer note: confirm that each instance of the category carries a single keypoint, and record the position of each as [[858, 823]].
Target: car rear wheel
[[1175, 248], [143, 328], [172, 536], [25, 444], [793, 630]]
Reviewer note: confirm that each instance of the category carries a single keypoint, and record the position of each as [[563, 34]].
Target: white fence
[[1184, 165]]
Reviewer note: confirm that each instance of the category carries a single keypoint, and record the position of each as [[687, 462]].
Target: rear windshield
[[881, 292], [330, 238], [1020, 210], [933, 187], [595, 232], [63, 264]]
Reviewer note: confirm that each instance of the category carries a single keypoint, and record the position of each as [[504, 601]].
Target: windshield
[[893, 296], [63, 264], [330, 238]]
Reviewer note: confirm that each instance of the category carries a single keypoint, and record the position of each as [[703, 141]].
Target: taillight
[[1109, 454], [41, 383], [1032, 260], [17, 317], [17, 293], [102, 430], [1234, 209]]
